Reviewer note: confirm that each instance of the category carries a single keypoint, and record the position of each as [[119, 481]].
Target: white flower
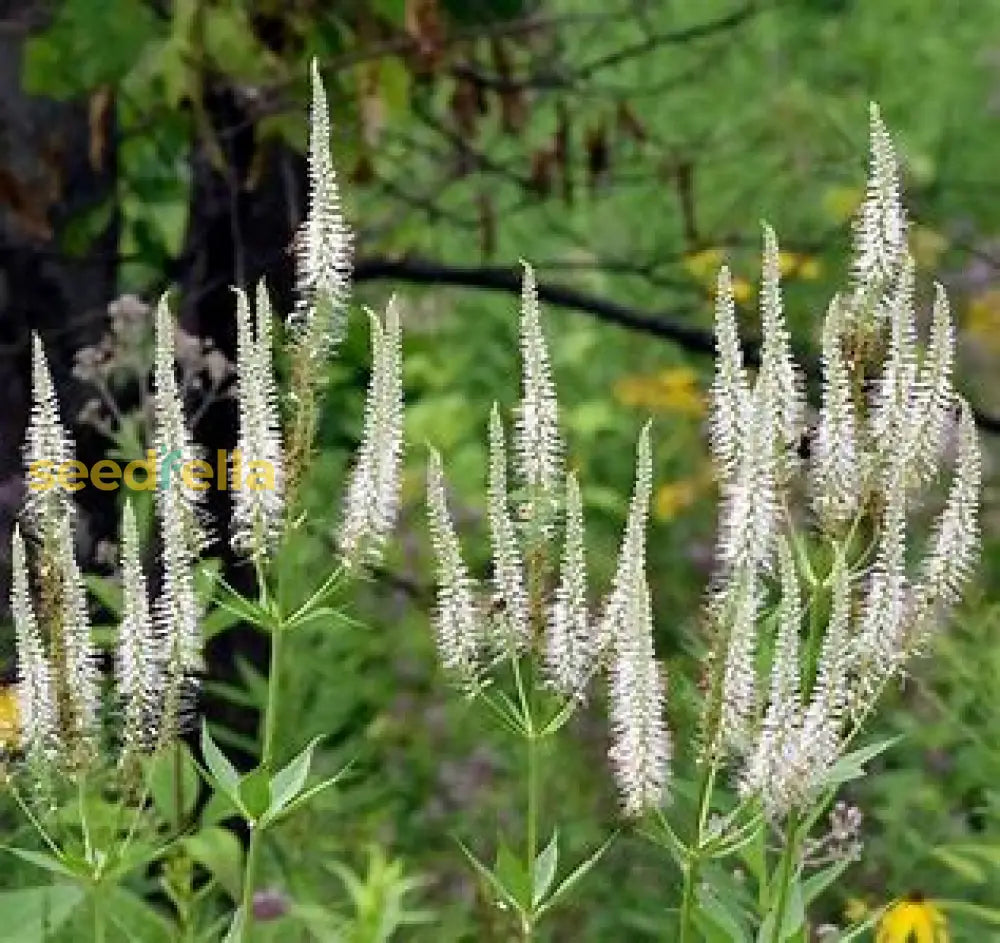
[[324, 242], [508, 568], [139, 655], [640, 744], [569, 643], [36, 700], [537, 443], [458, 629], [46, 444], [371, 501], [257, 511]]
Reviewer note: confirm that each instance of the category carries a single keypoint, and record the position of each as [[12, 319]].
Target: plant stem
[[266, 762], [531, 828], [99, 932], [785, 874], [693, 867]]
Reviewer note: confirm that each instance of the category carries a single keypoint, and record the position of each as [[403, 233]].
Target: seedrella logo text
[[155, 473]]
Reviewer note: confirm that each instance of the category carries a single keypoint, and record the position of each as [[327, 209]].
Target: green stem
[[532, 829], [99, 928], [267, 761], [691, 872], [785, 874]]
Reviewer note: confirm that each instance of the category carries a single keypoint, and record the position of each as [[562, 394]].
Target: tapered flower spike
[[371, 501], [46, 444], [819, 736], [258, 501], [458, 629], [324, 242], [82, 702], [880, 228], [765, 772], [640, 745], [508, 568], [640, 749], [172, 440], [139, 654], [837, 470], [739, 678], [569, 643], [537, 443], [935, 397], [36, 700], [955, 540], [632, 555], [748, 512], [179, 511], [894, 424], [777, 368], [730, 388]]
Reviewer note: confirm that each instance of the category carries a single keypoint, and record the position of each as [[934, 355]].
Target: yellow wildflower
[[912, 920], [982, 318], [703, 264], [797, 265], [840, 203], [673, 497], [9, 718], [742, 290], [674, 390], [855, 910]]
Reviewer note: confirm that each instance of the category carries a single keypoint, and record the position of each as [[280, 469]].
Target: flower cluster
[[888, 410], [521, 614], [156, 658]]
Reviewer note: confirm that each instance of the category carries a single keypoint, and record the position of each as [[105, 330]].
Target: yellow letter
[[196, 474], [148, 464], [221, 470], [237, 469], [69, 472], [260, 476], [105, 474], [40, 475]]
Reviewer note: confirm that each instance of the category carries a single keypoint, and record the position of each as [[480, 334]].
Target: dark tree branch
[[418, 271]]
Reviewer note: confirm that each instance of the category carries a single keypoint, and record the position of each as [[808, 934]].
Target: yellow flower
[[912, 920], [674, 390], [855, 910], [673, 497], [795, 265], [703, 264], [982, 318], [841, 203], [742, 290], [9, 718]]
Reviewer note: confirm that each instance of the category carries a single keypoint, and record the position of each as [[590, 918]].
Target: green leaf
[[255, 793], [160, 775], [106, 591], [44, 860], [793, 919], [289, 781], [235, 933], [983, 914], [729, 925], [304, 797], [545, 869], [219, 851], [502, 893], [816, 883], [575, 876], [852, 765], [240, 607], [34, 913], [138, 921], [511, 873], [223, 772], [971, 871]]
